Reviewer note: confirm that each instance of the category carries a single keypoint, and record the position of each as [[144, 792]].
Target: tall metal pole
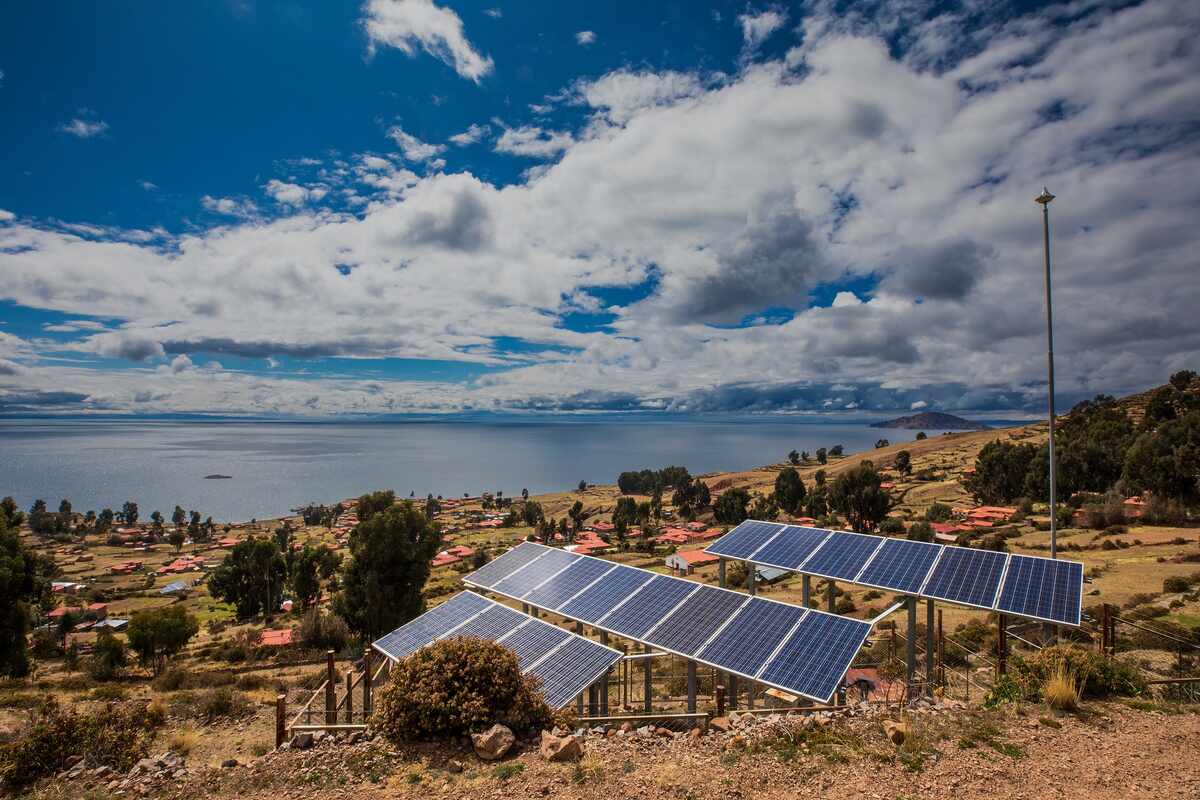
[[1044, 199]]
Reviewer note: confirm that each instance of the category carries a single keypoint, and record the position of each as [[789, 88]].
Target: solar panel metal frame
[[744, 531], [827, 547], [1008, 572], [968, 551], [756, 556]]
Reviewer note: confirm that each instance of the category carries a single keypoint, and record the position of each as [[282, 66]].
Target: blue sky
[[259, 207]]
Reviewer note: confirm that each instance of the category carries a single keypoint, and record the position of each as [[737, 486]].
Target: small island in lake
[[931, 420], [217, 477]]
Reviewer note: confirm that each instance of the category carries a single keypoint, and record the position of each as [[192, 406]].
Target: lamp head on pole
[[1044, 198]]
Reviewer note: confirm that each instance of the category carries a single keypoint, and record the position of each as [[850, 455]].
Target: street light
[[1044, 200]]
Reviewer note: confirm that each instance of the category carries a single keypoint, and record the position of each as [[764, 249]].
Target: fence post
[[941, 650], [280, 721], [330, 690], [647, 677], [1001, 645], [720, 700], [349, 696], [367, 683]]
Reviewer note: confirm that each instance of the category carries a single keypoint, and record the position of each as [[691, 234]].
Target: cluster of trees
[[691, 497], [822, 456], [258, 572], [649, 481], [65, 523], [25, 580], [323, 515], [1099, 447], [856, 494]]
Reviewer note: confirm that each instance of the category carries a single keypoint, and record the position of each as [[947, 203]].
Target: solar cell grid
[[1042, 588], [815, 657], [533, 640], [519, 583], [689, 626], [417, 633], [491, 624], [504, 565], [790, 548], [563, 586], [743, 540], [647, 607], [566, 671], [842, 556], [604, 596], [900, 565], [744, 645], [967, 576]]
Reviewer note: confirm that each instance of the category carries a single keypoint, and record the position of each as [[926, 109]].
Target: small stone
[[738, 742], [229, 763], [665, 733], [560, 748], [896, 731], [72, 761], [628, 727], [454, 765], [720, 723], [695, 733], [494, 743], [301, 741]]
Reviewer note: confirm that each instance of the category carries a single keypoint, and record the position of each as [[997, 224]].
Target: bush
[[456, 686], [223, 702], [116, 736], [1176, 585], [177, 678], [1061, 690], [108, 657], [1097, 676], [323, 631]]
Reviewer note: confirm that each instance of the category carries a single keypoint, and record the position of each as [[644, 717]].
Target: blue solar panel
[[743, 540], [572, 668], [745, 644], [528, 577], [504, 565], [970, 577], [604, 596], [533, 640], [842, 556], [815, 657], [688, 627], [417, 633], [1043, 588], [647, 607], [491, 624], [566, 584], [789, 549], [900, 565]]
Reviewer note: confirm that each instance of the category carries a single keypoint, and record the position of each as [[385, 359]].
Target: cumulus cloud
[[413, 148], [533, 142], [6, 216], [494, 13], [409, 24], [293, 194], [472, 135], [757, 28], [585, 38], [84, 128], [229, 206], [623, 93], [148, 186]]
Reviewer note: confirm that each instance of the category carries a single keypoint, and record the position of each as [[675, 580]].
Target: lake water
[[276, 466]]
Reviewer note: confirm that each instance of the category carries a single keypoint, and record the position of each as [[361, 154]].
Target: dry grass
[[1061, 690], [183, 740]]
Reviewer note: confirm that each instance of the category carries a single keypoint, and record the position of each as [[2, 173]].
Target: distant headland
[[931, 420]]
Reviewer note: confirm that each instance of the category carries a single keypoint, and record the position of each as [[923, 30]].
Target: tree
[[309, 570], [583, 486], [836, 451], [156, 524], [176, 537], [938, 512], [251, 577], [793, 458], [524, 494], [15, 516], [386, 571], [532, 513], [129, 513], [160, 633], [104, 521], [65, 513], [179, 516], [789, 490], [764, 507], [1166, 462], [856, 495], [108, 657], [921, 435], [625, 514], [1183, 380], [816, 502], [371, 504], [194, 525], [1000, 471], [920, 532], [432, 507], [691, 496], [24, 580], [804, 456], [881, 443], [819, 477], [283, 537], [904, 462], [577, 517], [730, 508], [822, 456]]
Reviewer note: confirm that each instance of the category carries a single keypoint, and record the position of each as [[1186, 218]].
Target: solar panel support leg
[[604, 681], [733, 692], [1001, 645], [751, 574], [831, 595], [647, 677], [749, 694], [330, 689], [524, 608], [691, 686], [806, 591], [579, 705], [930, 648], [721, 572], [910, 660]]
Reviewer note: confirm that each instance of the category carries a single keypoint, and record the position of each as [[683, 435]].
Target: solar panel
[[816, 656], [966, 576], [647, 607], [900, 565], [533, 640], [491, 624], [842, 556], [417, 633], [504, 565], [1043, 588], [789, 549], [743, 540], [519, 583], [604, 596], [690, 625], [571, 668], [566, 584], [745, 644]]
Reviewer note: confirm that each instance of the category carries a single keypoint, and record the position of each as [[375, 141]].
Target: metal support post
[[733, 692], [806, 591], [751, 575], [830, 596], [330, 689], [930, 648], [691, 687], [366, 683], [1001, 645], [648, 689], [910, 660], [604, 681], [721, 572]]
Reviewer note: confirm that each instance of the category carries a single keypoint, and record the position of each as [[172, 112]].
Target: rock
[[72, 761], [494, 743], [101, 772], [354, 738], [301, 741], [665, 733], [695, 733], [229, 763], [896, 731], [611, 733], [560, 748], [454, 765], [628, 727], [720, 723], [738, 742]]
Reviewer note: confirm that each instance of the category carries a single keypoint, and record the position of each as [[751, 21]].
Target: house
[[602, 527], [112, 623], [227, 543], [685, 562], [275, 637], [98, 610], [126, 567], [805, 521], [670, 538], [175, 587], [65, 587], [444, 559], [461, 550], [696, 526], [62, 611], [1134, 507]]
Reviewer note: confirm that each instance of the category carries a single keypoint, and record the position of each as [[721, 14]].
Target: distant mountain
[[932, 420]]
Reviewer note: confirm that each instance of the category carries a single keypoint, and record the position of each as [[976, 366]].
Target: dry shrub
[[1061, 689], [183, 741], [456, 686]]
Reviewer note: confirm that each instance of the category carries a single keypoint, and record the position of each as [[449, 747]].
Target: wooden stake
[[330, 690], [280, 720]]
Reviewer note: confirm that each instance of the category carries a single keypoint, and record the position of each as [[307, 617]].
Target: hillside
[[931, 421]]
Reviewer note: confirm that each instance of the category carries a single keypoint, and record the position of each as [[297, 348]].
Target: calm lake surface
[[276, 466]]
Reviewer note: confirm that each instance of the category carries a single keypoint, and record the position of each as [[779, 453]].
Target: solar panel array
[[567, 664], [717, 627], [1039, 588]]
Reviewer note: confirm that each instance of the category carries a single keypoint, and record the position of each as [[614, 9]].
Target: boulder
[[301, 741], [695, 733], [628, 727], [72, 761], [229, 763], [721, 724], [896, 731], [560, 748], [494, 743], [737, 742]]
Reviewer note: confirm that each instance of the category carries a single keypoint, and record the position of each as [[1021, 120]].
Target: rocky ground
[[1103, 751]]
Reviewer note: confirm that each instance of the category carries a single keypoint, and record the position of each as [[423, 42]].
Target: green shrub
[[1176, 584], [109, 692], [456, 686], [178, 678], [207, 705], [1098, 675], [116, 736], [108, 657], [323, 631]]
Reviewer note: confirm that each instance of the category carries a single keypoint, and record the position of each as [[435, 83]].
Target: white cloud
[[623, 93], [585, 38], [757, 28], [532, 141], [472, 135], [293, 194], [230, 207], [408, 24], [181, 363], [413, 148], [148, 186], [6, 216], [494, 13], [918, 405], [84, 128]]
